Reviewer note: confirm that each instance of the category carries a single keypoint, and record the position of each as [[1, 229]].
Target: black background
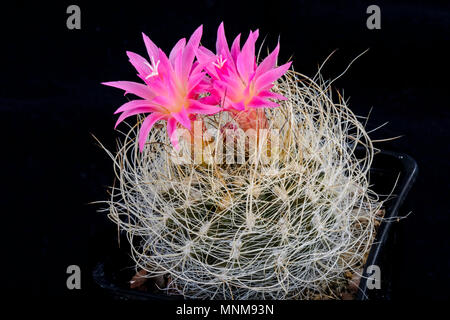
[[51, 101]]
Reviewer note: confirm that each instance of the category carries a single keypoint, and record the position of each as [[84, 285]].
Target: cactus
[[288, 229]]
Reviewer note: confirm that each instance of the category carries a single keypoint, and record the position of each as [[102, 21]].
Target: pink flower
[[171, 88], [238, 82]]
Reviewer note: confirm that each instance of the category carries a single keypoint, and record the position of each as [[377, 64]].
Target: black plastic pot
[[113, 274], [387, 167]]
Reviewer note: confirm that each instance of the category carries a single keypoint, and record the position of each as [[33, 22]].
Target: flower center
[[220, 62], [153, 67]]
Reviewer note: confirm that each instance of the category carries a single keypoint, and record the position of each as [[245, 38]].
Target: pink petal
[[237, 106], [183, 118], [267, 79], [139, 63], [165, 67], [269, 62], [132, 112], [175, 92], [222, 44], [190, 51], [246, 59], [195, 79], [229, 87], [177, 48], [256, 34], [212, 99], [199, 107], [176, 56], [258, 102], [171, 131], [201, 88], [205, 55], [205, 59], [136, 104], [271, 95], [157, 85], [135, 88], [146, 127], [235, 47], [152, 49], [162, 101]]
